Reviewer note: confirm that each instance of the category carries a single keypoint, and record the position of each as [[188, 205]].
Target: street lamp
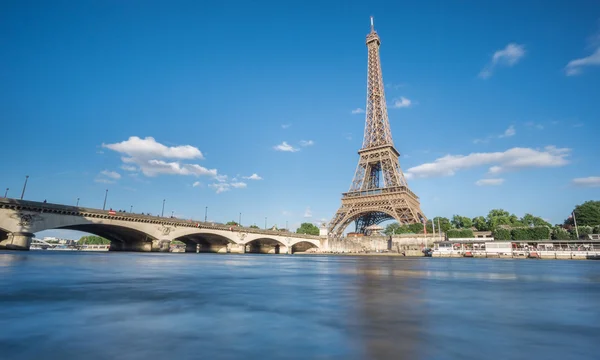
[[105, 196], [205, 213], [265, 223], [6, 193], [131, 209], [163, 209], [24, 186], [172, 212], [77, 202], [240, 221]]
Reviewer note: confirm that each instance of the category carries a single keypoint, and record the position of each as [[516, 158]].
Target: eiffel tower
[[379, 191]]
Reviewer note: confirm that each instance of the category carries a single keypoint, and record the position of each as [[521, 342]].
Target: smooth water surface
[[75, 305]]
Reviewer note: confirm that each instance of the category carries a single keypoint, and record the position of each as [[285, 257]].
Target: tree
[[497, 217], [307, 228], [461, 222], [586, 214], [530, 220], [480, 223], [395, 228], [93, 240], [416, 228], [253, 227], [232, 223], [442, 222]]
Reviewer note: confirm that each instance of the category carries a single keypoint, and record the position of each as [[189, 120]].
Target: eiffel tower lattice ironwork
[[379, 191]]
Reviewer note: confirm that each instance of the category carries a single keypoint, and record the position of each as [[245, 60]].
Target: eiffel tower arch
[[379, 190]]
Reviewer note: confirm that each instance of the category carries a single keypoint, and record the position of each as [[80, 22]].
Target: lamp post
[[172, 212], [286, 226], [77, 202], [6, 193], [105, 196], [205, 213], [162, 213], [24, 186], [240, 220], [265, 223], [131, 209]]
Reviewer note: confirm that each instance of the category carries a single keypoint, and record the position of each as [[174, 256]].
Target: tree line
[[507, 226]]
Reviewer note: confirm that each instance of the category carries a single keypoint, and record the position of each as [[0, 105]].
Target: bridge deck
[[35, 206]]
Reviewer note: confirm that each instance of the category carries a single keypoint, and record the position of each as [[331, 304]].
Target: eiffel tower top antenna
[[372, 26]]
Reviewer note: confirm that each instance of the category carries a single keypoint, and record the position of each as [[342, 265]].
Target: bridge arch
[[265, 245], [121, 238], [205, 240], [303, 246]]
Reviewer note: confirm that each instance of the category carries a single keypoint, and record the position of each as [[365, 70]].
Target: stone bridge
[[20, 220]]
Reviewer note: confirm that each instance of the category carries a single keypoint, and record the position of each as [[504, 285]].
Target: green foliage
[[530, 220], [530, 233], [461, 222], [480, 223], [308, 228], [177, 242], [232, 223], [559, 233], [416, 228], [459, 233], [586, 214], [93, 240], [585, 230], [501, 233], [443, 222], [253, 227]]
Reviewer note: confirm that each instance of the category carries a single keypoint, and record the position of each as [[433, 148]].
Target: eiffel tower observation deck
[[379, 190]]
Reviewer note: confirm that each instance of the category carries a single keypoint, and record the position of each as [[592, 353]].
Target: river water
[[75, 305]]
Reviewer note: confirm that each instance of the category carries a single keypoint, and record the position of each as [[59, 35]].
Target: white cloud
[[128, 167], [401, 103], [153, 158], [284, 146], [532, 124], [575, 67], [511, 159], [238, 185], [252, 177], [306, 142], [104, 181], [489, 182], [220, 187], [221, 178], [307, 213], [196, 184], [358, 111], [286, 126], [348, 136], [286, 213], [148, 148], [508, 132], [509, 56], [111, 174], [481, 141], [590, 181]]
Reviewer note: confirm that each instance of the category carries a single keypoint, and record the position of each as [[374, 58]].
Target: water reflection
[[187, 306]]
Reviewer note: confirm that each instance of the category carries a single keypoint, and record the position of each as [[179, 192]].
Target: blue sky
[[492, 105]]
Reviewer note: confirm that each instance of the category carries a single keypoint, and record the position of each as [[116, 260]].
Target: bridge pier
[[161, 245], [17, 241]]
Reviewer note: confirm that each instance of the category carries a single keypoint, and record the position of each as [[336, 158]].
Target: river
[[76, 305]]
